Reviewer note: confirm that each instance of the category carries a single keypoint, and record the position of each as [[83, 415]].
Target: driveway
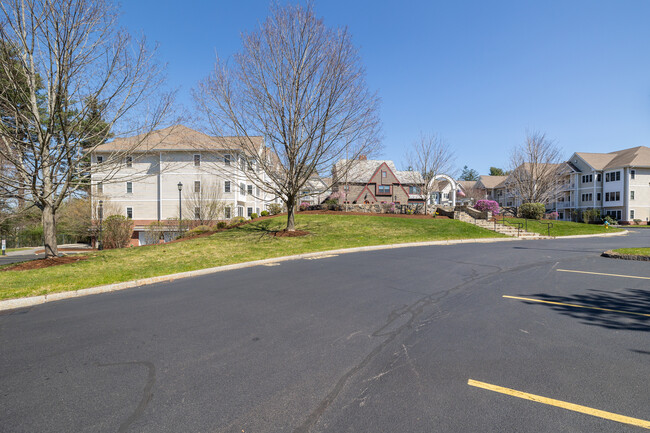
[[531, 336]]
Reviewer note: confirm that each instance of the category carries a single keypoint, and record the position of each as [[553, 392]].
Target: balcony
[[567, 186], [565, 204]]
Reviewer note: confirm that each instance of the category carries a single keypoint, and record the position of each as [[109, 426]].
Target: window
[[384, 174], [383, 189], [249, 211], [242, 163], [226, 186], [129, 161], [618, 175], [587, 178], [618, 195], [100, 188], [606, 196], [227, 213], [249, 189], [197, 186], [197, 160], [257, 210], [414, 189], [598, 196], [631, 214], [240, 211], [129, 213], [631, 195], [346, 187], [242, 190], [251, 165], [197, 213], [226, 159], [632, 175], [129, 187], [606, 177], [599, 177], [100, 159]]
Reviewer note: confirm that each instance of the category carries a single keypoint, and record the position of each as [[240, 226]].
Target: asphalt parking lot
[[531, 336]]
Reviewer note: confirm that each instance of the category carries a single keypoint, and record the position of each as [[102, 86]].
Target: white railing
[[565, 204]]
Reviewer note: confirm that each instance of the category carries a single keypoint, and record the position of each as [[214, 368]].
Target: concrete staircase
[[499, 228]]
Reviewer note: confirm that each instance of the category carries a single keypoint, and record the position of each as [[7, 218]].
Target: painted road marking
[[607, 275], [562, 404], [575, 305]]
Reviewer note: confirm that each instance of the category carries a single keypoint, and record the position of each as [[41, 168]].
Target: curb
[[614, 255], [600, 235], [12, 304]]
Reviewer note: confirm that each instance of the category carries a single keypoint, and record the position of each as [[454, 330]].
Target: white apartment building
[[158, 177], [617, 183]]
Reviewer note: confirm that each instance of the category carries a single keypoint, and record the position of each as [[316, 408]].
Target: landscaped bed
[[253, 241], [560, 228], [642, 254]]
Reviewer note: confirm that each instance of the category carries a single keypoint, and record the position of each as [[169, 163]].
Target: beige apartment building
[[617, 183], [175, 173]]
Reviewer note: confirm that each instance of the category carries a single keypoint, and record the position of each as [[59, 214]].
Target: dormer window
[[197, 160], [129, 161]]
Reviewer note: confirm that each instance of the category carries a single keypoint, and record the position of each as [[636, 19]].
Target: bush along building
[[171, 174]]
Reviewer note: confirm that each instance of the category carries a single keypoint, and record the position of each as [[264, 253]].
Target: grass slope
[[246, 243], [563, 228], [634, 251]]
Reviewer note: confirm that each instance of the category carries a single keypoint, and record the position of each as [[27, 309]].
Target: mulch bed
[[392, 215], [44, 263]]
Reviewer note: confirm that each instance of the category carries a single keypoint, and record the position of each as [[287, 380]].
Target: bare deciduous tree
[[76, 80], [534, 169], [429, 156], [205, 205], [301, 86]]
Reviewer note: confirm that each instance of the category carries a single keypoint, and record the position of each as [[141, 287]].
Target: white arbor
[[452, 183]]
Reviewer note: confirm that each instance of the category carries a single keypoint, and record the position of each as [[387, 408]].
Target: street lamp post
[[180, 208], [100, 245]]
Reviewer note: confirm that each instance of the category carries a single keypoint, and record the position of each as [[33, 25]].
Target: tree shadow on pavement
[[631, 308]]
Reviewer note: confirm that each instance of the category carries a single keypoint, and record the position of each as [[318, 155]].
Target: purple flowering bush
[[490, 205], [304, 206]]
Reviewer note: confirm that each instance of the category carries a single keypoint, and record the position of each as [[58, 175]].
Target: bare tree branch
[[300, 86], [65, 58]]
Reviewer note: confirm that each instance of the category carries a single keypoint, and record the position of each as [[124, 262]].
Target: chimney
[[363, 158]]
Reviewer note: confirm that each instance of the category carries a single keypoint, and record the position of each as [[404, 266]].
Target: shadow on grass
[[632, 308], [263, 228]]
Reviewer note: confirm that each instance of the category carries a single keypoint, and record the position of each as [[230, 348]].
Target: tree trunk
[[291, 210], [49, 232]]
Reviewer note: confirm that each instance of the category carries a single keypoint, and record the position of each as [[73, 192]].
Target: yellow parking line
[[562, 404], [601, 273], [575, 305]]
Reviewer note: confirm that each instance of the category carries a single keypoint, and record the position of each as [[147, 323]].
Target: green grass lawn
[[562, 228], [634, 251], [246, 243], [9, 250]]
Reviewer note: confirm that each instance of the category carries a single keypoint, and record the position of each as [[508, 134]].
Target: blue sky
[[478, 73]]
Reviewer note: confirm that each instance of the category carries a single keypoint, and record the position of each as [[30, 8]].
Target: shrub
[[533, 211], [117, 231], [275, 208], [237, 220], [264, 213], [590, 215], [304, 206], [253, 215], [637, 221], [198, 230], [222, 225], [609, 220], [553, 215], [487, 205]]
